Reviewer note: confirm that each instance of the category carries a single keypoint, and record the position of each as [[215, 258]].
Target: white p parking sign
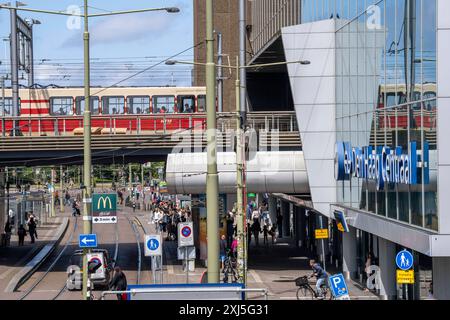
[[339, 287]]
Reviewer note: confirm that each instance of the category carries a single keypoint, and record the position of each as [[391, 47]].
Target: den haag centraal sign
[[382, 164], [104, 208]]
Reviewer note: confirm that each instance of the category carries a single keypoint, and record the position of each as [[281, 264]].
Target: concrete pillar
[[387, 272], [299, 227], [286, 218], [273, 209], [349, 265], [441, 278]]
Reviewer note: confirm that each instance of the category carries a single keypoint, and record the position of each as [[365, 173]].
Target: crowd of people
[[166, 215]]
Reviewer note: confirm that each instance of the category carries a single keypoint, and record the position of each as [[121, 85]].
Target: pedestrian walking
[[32, 228], [256, 226], [230, 228], [67, 198], [21, 233], [118, 283], [223, 251]]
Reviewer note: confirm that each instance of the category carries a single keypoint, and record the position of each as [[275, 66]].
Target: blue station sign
[[385, 165]]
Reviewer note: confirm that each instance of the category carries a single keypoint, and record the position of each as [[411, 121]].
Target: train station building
[[371, 110]]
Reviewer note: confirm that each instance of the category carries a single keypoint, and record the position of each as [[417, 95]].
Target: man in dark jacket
[[118, 282]]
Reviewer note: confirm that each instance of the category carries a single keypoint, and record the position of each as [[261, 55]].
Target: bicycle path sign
[[338, 287]]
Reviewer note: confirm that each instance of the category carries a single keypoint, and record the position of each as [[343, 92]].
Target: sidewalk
[[271, 266], [14, 259], [276, 266]]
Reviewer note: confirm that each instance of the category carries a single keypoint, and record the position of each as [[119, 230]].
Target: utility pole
[[243, 58], [219, 73], [52, 198], [2, 82], [14, 69], [142, 186], [240, 184], [212, 179], [130, 181], [87, 197], [61, 186]]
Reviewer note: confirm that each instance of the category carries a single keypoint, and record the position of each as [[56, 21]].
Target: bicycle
[[230, 267], [305, 290]]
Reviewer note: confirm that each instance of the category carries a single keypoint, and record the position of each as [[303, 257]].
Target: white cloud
[[124, 28]]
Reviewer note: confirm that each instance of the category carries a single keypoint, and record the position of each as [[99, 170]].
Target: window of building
[[163, 104], [113, 105], [186, 104], [138, 104], [79, 105], [61, 106]]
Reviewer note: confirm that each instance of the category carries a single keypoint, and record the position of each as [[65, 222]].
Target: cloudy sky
[[121, 46]]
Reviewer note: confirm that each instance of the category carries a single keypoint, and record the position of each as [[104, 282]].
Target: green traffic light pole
[[241, 249], [87, 189]]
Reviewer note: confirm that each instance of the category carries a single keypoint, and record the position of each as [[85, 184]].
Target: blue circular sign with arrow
[[404, 260]]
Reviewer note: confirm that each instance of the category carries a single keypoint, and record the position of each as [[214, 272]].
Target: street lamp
[[242, 251], [87, 162]]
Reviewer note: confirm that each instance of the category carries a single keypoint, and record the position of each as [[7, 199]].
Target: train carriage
[[114, 110]]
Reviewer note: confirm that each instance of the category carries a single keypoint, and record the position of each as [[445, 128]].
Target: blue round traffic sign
[[152, 244], [186, 231], [404, 260]]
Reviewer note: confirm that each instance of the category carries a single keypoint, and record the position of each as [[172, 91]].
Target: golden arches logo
[[104, 200]]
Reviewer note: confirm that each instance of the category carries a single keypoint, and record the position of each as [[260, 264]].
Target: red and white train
[[49, 110]]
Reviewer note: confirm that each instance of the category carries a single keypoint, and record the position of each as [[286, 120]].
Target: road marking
[[256, 276]]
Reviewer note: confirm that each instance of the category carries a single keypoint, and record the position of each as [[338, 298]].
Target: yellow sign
[[405, 277], [321, 233]]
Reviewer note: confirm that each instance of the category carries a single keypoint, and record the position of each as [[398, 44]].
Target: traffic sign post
[[153, 249], [186, 240], [338, 287], [185, 234], [404, 261], [87, 241], [104, 208]]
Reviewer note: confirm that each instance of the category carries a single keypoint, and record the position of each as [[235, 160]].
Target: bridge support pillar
[[273, 209], [349, 265], [286, 213]]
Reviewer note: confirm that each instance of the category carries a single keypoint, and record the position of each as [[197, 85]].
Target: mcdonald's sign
[[104, 202]]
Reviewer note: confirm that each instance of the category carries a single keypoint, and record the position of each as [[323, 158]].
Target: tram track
[[138, 243], [52, 265], [116, 253]]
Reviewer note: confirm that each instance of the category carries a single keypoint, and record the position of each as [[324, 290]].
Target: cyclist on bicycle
[[320, 275]]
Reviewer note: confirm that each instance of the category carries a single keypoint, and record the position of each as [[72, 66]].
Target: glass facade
[[386, 95]]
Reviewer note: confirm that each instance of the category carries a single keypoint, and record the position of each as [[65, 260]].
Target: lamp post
[[87, 191], [240, 172]]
